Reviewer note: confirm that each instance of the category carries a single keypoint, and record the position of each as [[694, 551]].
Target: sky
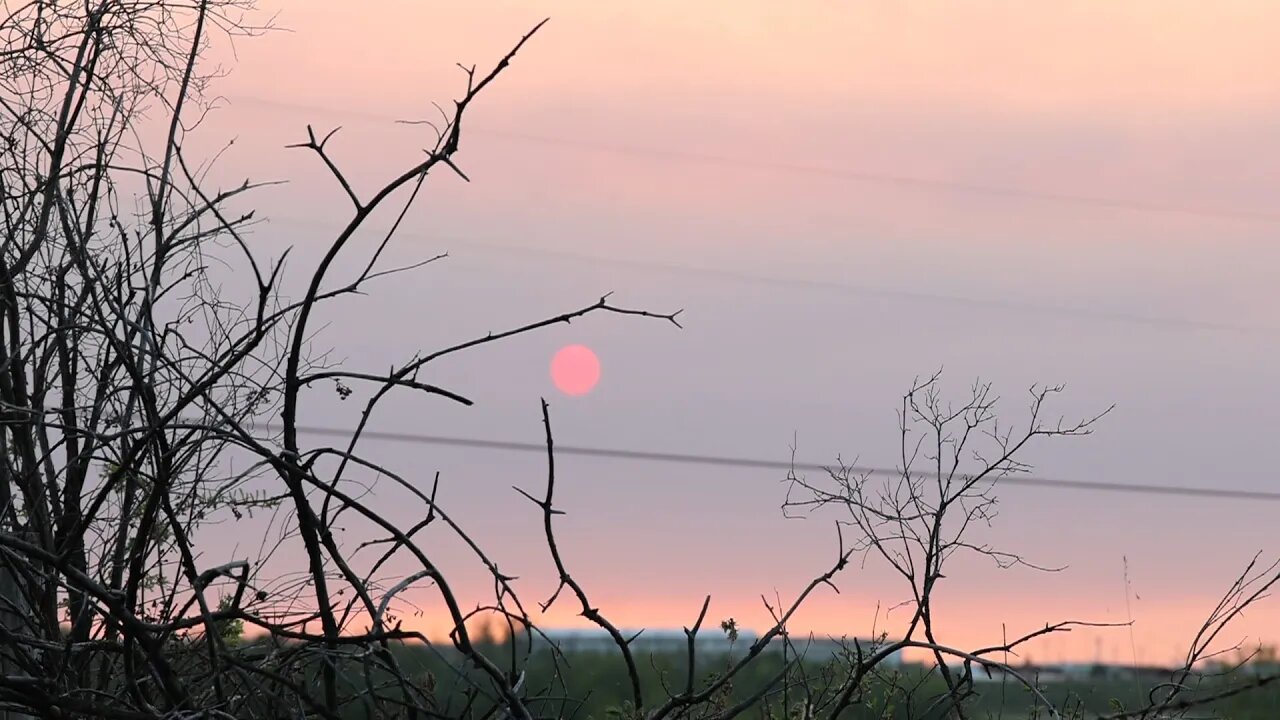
[[840, 197]]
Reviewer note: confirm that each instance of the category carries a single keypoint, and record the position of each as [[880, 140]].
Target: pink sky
[[587, 146]]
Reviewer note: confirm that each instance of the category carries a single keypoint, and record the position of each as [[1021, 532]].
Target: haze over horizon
[[840, 198]]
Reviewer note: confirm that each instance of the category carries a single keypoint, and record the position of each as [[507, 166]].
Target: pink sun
[[575, 370]]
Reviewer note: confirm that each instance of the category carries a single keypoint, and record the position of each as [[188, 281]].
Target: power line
[[890, 292], [1104, 315], [922, 183], [760, 464], [925, 183], [831, 285]]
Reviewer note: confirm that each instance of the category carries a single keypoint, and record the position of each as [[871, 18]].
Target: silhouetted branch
[[566, 580]]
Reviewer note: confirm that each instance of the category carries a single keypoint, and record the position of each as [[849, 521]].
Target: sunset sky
[[841, 197]]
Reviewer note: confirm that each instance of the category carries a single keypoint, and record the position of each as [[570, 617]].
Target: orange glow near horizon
[[732, 137], [1160, 635]]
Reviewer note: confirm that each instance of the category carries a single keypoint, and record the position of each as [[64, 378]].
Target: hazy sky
[[812, 183]]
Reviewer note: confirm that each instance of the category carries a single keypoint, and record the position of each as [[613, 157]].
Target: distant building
[[1077, 672], [707, 642]]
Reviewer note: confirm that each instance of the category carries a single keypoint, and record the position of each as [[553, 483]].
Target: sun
[[575, 370]]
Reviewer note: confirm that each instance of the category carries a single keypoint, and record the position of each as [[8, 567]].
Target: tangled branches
[[134, 389], [918, 518]]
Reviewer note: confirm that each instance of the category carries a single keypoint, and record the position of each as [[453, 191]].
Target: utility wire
[[753, 463], [1104, 315], [922, 183], [846, 174], [831, 285]]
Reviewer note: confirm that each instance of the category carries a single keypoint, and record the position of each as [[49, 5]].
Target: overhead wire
[[843, 287], [847, 174], [762, 464], [833, 285], [851, 174]]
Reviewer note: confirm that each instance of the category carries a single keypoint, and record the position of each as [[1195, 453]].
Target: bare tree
[[141, 401], [134, 390], [920, 517], [952, 458]]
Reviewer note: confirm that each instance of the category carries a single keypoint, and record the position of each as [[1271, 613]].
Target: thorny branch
[[144, 337]]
